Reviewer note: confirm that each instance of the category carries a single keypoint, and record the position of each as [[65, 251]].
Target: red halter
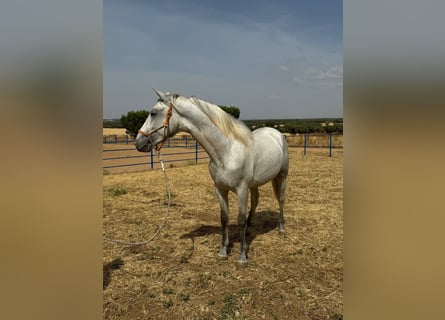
[[160, 144]]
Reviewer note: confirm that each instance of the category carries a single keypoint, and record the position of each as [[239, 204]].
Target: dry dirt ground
[[178, 275]]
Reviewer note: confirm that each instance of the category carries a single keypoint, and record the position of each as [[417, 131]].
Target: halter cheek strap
[[165, 125]]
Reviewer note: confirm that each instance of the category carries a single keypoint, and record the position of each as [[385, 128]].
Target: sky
[[272, 59]]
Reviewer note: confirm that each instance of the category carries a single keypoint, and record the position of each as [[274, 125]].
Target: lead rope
[[167, 185]]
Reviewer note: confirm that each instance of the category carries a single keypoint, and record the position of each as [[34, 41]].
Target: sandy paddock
[[177, 276]]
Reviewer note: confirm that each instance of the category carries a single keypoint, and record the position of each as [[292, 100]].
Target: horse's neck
[[211, 138]]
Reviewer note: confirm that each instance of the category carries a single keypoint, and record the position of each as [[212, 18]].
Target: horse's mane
[[229, 126]]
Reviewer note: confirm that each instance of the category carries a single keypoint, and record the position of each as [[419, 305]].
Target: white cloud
[[331, 75], [229, 63], [313, 74], [335, 72]]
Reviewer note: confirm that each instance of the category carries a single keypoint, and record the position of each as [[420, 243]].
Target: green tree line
[[300, 126], [133, 120]]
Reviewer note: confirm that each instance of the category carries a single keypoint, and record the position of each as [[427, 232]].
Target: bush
[[234, 111], [134, 120]]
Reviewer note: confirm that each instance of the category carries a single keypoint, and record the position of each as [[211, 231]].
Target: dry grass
[[177, 276], [314, 140], [113, 131]]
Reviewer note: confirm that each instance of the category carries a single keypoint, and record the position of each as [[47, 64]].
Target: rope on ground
[[167, 185]]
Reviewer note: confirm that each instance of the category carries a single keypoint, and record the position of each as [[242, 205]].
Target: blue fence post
[[115, 138], [151, 159], [330, 145], [185, 142], [126, 138], [305, 137], [196, 152]]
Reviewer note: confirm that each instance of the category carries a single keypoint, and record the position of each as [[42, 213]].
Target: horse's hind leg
[[254, 196], [279, 188]]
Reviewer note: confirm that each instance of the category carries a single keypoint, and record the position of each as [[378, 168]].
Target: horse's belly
[[264, 174]]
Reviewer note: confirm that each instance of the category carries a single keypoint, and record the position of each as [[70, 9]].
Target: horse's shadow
[[261, 223], [108, 268]]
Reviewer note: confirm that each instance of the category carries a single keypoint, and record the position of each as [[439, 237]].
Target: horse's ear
[[160, 94]]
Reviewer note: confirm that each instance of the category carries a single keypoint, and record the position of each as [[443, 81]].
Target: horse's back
[[269, 137]]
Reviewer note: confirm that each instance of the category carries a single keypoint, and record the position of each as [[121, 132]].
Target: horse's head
[[158, 125]]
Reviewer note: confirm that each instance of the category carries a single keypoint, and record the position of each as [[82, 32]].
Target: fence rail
[[119, 150]]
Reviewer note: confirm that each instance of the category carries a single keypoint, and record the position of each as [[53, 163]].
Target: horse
[[240, 160]]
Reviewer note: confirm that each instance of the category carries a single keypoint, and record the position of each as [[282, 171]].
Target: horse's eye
[[152, 113]]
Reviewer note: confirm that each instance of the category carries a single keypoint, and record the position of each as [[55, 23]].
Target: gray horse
[[240, 160]]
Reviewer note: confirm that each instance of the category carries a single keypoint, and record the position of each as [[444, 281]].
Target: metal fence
[[317, 140], [119, 150]]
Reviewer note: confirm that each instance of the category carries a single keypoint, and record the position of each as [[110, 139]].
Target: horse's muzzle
[[142, 144]]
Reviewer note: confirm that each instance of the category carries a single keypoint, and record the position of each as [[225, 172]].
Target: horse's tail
[[279, 181], [285, 167], [276, 189]]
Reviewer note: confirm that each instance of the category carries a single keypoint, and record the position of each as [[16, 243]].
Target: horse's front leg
[[224, 205], [242, 193]]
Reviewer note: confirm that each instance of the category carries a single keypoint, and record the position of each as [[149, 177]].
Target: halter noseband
[[160, 144]]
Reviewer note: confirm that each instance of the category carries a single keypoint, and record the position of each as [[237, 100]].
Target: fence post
[[305, 135], [151, 159], [330, 144], [126, 138], [185, 142], [196, 152]]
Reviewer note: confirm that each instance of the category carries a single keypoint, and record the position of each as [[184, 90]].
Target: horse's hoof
[[240, 263], [242, 260], [222, 257], [222, 254]]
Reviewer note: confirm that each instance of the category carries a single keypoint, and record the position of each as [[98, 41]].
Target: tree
[[234, 111], [134, 120]]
